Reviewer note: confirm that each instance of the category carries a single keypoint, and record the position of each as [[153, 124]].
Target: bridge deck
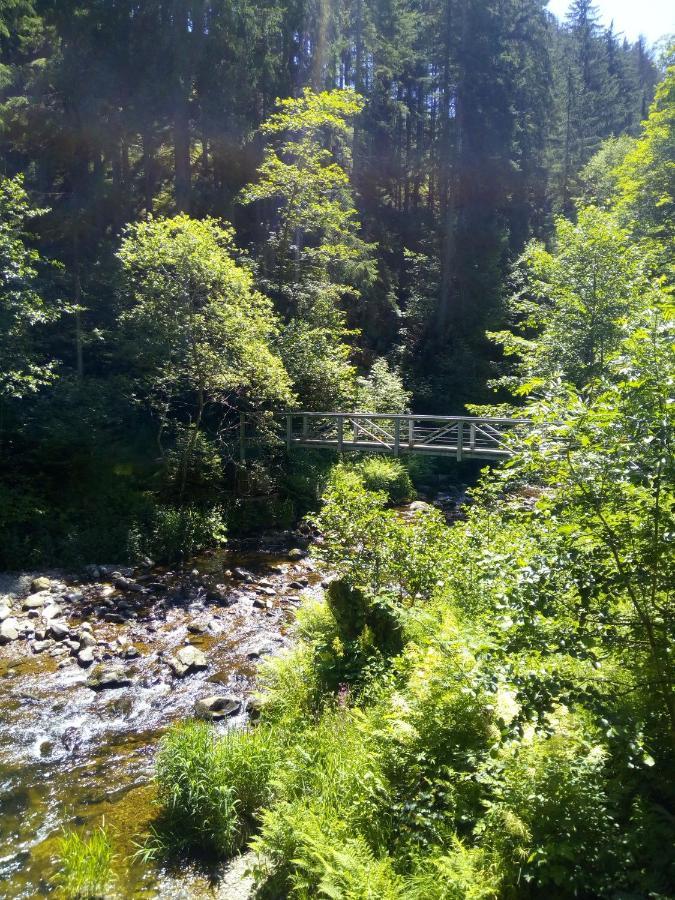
[[464, 437]]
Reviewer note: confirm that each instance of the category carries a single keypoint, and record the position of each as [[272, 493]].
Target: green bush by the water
[[210, 789], [380, 473], [84, 864]]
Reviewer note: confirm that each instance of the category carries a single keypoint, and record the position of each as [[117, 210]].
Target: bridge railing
[[464, 436]]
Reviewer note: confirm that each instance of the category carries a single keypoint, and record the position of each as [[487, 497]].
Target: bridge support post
[[411, 434], [460, 440], [305, 426], [340, 433], [289, 432], [397, 436]]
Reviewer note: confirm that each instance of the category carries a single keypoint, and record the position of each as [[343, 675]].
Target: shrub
[[180, 532], [211, 789], [85, 864], [389, 475]]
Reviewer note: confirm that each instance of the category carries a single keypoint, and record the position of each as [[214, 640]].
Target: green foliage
[[315, 257], [179, 532], [210, 788], [572, 304], [24, 367], [382, 391], [386, 475], [196, 324], [85, 864]]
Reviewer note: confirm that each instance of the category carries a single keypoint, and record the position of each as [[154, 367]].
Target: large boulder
[[296, 554], [217, 707]]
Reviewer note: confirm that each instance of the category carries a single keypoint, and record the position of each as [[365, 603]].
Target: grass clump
[[379, 473], [85, 864], [210, 789]]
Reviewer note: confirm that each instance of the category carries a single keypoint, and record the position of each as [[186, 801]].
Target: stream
[[92, 672]]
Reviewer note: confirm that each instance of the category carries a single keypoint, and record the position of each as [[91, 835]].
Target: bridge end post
[[397, 436], [460, 440], [340, 433], [289, 431]]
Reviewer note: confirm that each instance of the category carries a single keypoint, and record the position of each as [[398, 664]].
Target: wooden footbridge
[[463, 437]]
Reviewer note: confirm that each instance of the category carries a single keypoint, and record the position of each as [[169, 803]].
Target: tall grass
[[211, 788], [85, 864]]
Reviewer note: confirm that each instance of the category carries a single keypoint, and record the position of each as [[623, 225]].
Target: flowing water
[[71, 755]]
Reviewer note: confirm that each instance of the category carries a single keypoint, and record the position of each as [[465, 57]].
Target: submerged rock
[[217, 707], [242, 575]]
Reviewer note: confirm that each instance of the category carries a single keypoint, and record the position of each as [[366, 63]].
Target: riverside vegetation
[[486, 710], [450, 203]]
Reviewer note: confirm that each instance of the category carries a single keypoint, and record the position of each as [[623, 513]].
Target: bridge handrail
[[504, 420]]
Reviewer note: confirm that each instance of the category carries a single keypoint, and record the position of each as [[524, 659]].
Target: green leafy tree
[[573, 302], [201, 338], [314, 257], [24, 364]]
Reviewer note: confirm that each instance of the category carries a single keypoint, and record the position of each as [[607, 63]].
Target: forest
[[213, 212]]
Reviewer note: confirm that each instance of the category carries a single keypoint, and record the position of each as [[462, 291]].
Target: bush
[[179, 532], [389, 475], [211, 789], [85, 864]]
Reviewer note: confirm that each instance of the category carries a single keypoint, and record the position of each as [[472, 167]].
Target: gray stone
[[5, 612], [41, 646], [132, 653], [36, 601], [74, 646], [242, 575], [197, 627], [217, 707], [86, 639], [74, 596], [41, 584], [108, 678], [187, 659], [59, 630], [51, 612], [9, 631], [296, 553], [267, 592], [85, 657]]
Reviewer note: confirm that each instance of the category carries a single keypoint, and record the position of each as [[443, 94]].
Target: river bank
[[95, 666]]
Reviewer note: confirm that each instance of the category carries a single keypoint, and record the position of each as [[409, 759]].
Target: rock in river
[[36, 601], [296, 554], [187, 659], [86, 656], [103, 678], [58, 630], [217, 707], [9, 631], [41, 584]]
